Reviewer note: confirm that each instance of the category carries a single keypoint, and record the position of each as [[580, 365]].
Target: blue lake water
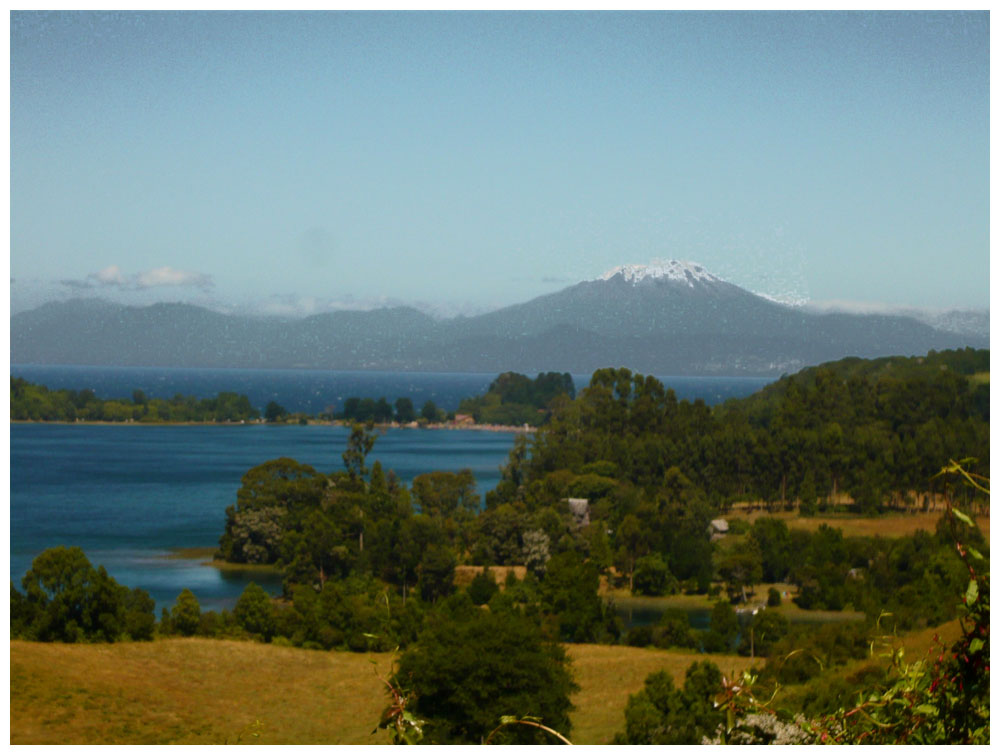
[[129, 494]]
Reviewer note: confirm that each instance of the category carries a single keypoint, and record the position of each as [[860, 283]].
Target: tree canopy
[[67, 600], [471, 667]]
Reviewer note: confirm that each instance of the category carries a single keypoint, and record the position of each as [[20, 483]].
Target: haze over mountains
[[671, 318]]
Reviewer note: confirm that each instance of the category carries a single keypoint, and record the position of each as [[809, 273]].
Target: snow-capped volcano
[[664, 318], [676, 270]]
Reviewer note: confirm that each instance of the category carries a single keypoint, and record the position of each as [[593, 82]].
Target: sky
[[289, 163]]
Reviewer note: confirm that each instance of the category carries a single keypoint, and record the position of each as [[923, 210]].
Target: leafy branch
[[406, 728], [525, 721]]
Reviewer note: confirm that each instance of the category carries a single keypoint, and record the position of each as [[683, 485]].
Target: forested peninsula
[[625, 491], [30, 402], [512, 401]]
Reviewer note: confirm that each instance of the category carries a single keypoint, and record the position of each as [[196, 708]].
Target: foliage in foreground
[[471, 667], [662, 714], [941, 701]]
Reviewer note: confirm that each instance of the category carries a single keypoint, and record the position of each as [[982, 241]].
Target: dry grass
[[191, 691], [891, 525], [464, 574], [198, 691], [608, 674]]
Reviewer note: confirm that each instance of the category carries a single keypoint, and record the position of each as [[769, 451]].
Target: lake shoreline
[[255, 423], [205, 556]]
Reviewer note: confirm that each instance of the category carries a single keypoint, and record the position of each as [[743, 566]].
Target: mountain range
[[672, 318]]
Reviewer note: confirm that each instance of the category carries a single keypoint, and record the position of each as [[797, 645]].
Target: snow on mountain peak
[[677, 270]]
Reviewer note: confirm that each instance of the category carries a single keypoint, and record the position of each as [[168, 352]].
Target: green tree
[[773, 544], [633, 542], [569, 594], [359, 445], [498, 533], [662, 714], [185, 616], [807, 494], [405, 412], [446, 494], [256, 525], [740, 568], [653, 577], [430, 411], [468, 670], [254, 612], [67, 600], [437, 572], [482, 587], [274, 411]]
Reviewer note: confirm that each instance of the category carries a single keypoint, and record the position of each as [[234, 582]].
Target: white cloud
[[112, 277], [859, 307], [167, 276], [109, 276]]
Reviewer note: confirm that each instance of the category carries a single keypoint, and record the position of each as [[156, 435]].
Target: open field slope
[[608, 674], [197, 691], [889, 525], [188, 691]]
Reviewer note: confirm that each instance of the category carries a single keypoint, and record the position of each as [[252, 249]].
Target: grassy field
[[891, 525], [608, 674], [197, 691], [465, 574]]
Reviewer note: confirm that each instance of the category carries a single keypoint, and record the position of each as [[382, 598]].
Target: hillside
[[196, 691], [669, 319]]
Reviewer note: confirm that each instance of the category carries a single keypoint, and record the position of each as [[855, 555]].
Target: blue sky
[[280, 162]]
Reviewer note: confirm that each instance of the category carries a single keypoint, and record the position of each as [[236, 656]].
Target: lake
[[130, 494]]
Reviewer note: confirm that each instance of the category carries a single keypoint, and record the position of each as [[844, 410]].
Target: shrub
[[471, 667]]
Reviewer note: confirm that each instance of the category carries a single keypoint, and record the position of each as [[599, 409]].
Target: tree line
[[36, 402], [515, 399], [365, 410]]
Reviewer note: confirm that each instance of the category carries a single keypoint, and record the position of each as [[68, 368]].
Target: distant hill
[[669, 319]]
